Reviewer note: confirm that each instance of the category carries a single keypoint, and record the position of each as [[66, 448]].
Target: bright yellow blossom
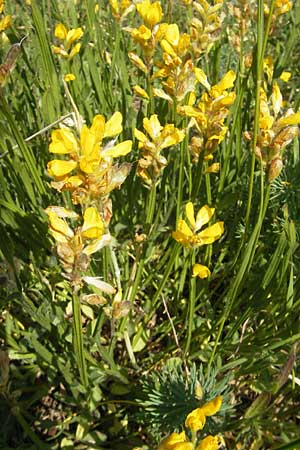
[[175, 441], [187, 233], [209, 115], [201, 271], [157, 139], [197, 418], [69, 77], [75, 245], [121, 8], [274, 133], [209, 443], [68, 38], [89, 171], [150, 12]]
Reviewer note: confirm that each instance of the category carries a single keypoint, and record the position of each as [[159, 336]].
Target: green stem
[[246, 263], [78, 340], [262, 39], [191, 307]]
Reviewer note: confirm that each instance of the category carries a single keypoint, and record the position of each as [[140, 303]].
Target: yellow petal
[[75, 50], [140, 136], [201, 271], [60, 227], [292, 119], [285, 76], [60, 32], [190, 214], [202, 78], [58, 168], [203, 216], [114, 125], [152, 126], [167, 47], [73, 35], [184, 228], [138, 62], [93, 226], [211, 234], [226, 82], [121, 149], [98, 127], [150, 12], [97, 245], [89, 142], [63, 141], [69, 77], [209, 443], [213, 406], [195, 420], [140, 92], [276, 98]]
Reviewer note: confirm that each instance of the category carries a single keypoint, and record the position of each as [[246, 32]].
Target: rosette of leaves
[[167, 395]]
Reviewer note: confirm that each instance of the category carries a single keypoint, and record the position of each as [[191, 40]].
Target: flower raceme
[[89, 171], [187, 233], [209, 115], [6, 21], [75, 246], [148, 34], [157, 139], [177, 67], [68, 38], [275, 133], [196, 419]]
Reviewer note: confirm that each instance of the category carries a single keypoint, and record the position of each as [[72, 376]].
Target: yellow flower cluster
[[121, 8], [148, 34], [188, 235], [275, 133], [6, 21], [209, 115], [150, 166], [67, 38], [90, 175], [195, 421], [205, 26], [177, 66], [89, 172]]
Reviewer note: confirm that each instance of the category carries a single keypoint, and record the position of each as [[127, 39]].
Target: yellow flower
[[187, 235], [197, 418], [93, 226], [92, 162], [209, 443], [140, 92], [209, 115], [201, 271], [150, 12], [69, 77], [68, 38], [159, 138], [120, 8], [285, 76], [175, 441]]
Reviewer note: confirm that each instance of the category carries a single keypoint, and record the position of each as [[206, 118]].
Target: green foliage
[[70, 380]]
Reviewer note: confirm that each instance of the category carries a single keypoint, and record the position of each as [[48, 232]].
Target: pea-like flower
[[209, 443], [187, 233], [89, 172], [67, 38], [196, 419], [159, 138], [74, 246], [275, 132], [175, 441]]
